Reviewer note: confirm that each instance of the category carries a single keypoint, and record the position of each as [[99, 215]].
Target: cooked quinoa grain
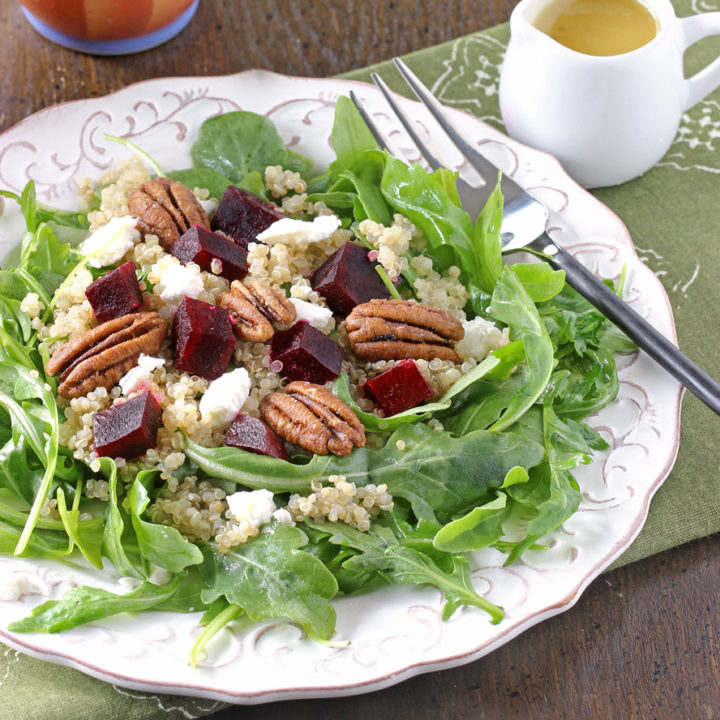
[[341, 501]]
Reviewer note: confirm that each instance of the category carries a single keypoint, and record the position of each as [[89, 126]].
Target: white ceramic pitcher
[[610, 118]]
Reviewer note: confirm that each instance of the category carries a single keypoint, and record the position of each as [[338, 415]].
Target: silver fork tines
[[524, 227]]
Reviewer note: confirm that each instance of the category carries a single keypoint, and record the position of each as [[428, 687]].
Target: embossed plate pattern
[[395, 632]]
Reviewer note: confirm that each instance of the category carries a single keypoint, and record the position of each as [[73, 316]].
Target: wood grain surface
[[643, 640]]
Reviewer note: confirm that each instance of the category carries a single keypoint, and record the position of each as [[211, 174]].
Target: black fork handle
[[656, 345]]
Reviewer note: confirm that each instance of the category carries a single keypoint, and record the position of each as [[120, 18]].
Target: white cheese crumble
[[180, 281], [109, 243], [287, 230], [159, 575], [136, 377], [18, 585], [315, 315], [481, 338], [224, 398], [282, 515], [255, 507]]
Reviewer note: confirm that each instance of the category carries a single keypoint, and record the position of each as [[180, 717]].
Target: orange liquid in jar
[[106, 19], [598, 27]]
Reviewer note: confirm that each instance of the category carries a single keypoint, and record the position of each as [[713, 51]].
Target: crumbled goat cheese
[[315, 315], [136, 377], [282, 515], [224, 397], [256, 507], [287, 230], [109, 243], [18, 585], [159, 575], [180, 281], [481, 338]]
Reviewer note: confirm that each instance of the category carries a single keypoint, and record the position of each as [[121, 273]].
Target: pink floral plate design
[[395, 632]]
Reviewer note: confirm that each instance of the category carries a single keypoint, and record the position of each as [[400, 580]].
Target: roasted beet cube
[[242, 215], [129, 429], [201, 246], [306, 353], [399, 388], [115, 294], [347, 278], [251, 433], [203, 338]]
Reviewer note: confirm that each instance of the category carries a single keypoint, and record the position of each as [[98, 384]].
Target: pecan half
[[397, 329], [101, 356], [254, 306], [312, 417], [166, 208]]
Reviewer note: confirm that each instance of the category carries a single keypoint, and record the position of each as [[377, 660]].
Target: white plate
[[395, 632]]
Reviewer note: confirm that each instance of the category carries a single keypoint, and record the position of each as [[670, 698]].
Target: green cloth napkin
[[673, 216]]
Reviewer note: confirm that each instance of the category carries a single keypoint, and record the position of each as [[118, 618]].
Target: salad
[[484, 459]]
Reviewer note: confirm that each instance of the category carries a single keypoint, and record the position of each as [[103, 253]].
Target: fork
[[524, 227]]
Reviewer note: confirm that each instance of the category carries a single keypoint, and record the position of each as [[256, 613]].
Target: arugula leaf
[[551, 494], [365, 182], [159, 544], [35, 212], [238, 143], [47, 259], [271, 576], [214, 620], [351, 138], [42, 543], [437, 474], [541, 282], [486, 235], [83, 605], [18, 382], [382, 552], [513, 306], [423, 198], [478, 529], [87, 535], [112, 542]]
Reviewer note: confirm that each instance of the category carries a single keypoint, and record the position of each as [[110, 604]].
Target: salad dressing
[[598, 27]]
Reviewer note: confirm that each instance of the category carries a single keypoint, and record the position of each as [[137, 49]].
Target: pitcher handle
[[694, 28]]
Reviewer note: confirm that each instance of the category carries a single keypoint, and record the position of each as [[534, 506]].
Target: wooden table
[[642, 642]]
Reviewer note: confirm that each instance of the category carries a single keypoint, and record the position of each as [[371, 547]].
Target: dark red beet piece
[[399, 388], [306, 353], [203, 338], [129, 429], [347, 278], [242, 215], [201, 246], [115, 294], [251, 433]]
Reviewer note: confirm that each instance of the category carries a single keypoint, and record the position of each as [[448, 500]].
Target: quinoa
[[196, 510], [116, 184], [341, 501], [391, 243], [33, 306], [279, 182], [72, 314], [445, 292]]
